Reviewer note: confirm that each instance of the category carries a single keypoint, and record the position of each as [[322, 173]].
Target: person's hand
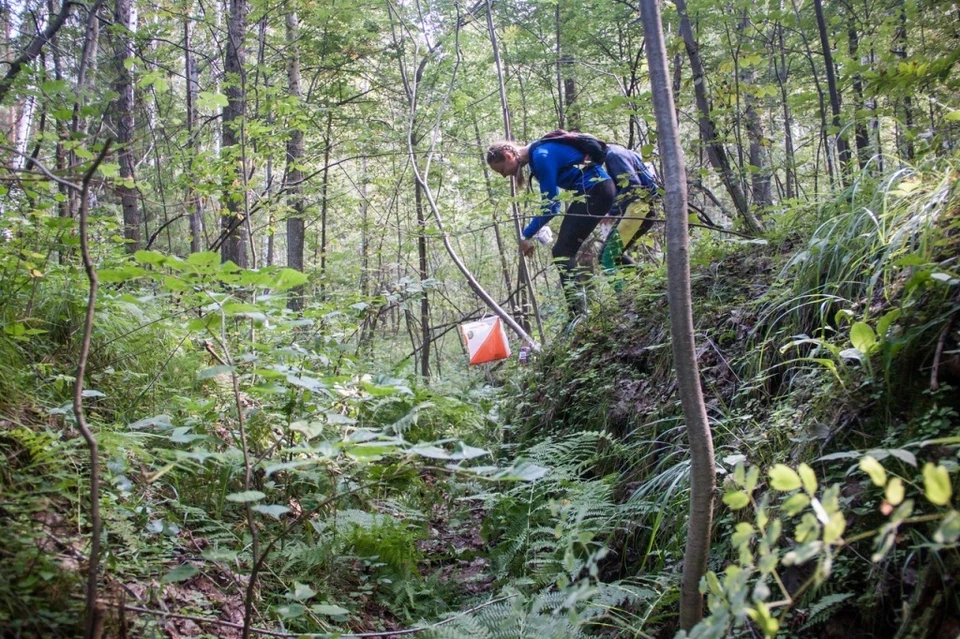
[[526, 247]]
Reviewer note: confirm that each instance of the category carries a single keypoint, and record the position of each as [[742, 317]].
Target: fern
[[819, 612]]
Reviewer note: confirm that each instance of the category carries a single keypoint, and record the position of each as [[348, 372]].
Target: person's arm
[[545, 169]]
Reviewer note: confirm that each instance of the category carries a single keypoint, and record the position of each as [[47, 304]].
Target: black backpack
[[590, 146]]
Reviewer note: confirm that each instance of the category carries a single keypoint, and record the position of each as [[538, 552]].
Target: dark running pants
[[578, 223]]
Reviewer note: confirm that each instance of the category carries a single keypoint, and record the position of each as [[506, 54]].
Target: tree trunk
[[294, 176], [424, 298], [570, 92], [781, 70], [324, 188], [863, 135], [526, 292], [498, 236], [232, 223], [193, 89], [123, 49], [715, 151], [907, 144], [702, 467], [843, 149]]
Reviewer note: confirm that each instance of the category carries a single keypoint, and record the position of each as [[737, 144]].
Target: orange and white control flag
[[486, 340]]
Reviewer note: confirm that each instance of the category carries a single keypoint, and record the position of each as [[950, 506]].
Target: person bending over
[[558, 165]]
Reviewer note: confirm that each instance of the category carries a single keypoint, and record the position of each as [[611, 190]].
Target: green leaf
[[833, 529], [523, 471], [862, 337], [872, 467], [214, 371], [895, 491], [210, 101], [743, 534], [783, 478], [430, 452], [936, 484], [795, 504], [736, 499], [883, 324], [246, 496], [219, 554], [952, 116], [290, 611], [329, 610], [949, 530], [301, 592], [766, 621], [149, 257], [180, 573], [120, 274], [288, 278], [109, 169], [809, 479], [465, 451], [272, 510]]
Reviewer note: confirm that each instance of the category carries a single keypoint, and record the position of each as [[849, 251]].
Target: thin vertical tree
[[192, 90], [702, 466], [294, 174], [233, 223], [843, 148], [123, 55]]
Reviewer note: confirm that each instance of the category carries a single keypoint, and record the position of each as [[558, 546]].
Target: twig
[[91, 625], [277, 633], [934, 372]]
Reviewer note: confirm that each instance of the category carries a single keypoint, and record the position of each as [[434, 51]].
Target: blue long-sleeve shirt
[[630, 174], [559, 166]]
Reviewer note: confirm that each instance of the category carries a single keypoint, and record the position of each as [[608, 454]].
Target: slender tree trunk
[[781, 70], [526, 293], [232, 222], [843, 149], [364, 231], [702, 466], [570, 92], [498, 236], [324, 205], [862, 134], [759, 154], [123, 49], [907, 145], [425, 340], [193, 88], [294, 175], [561, 120], [820, 97], [715, 150]]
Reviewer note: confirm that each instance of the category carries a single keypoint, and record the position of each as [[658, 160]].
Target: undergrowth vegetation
[[257, 464]]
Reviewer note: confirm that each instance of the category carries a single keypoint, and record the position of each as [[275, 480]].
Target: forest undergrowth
[[261, 470]]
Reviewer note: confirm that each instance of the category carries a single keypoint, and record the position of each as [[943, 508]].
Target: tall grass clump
[[886, 244]]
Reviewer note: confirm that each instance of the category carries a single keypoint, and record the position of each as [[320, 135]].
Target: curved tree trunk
[[702, 469]]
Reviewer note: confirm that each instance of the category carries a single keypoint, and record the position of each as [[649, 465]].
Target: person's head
[[506, 158]]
